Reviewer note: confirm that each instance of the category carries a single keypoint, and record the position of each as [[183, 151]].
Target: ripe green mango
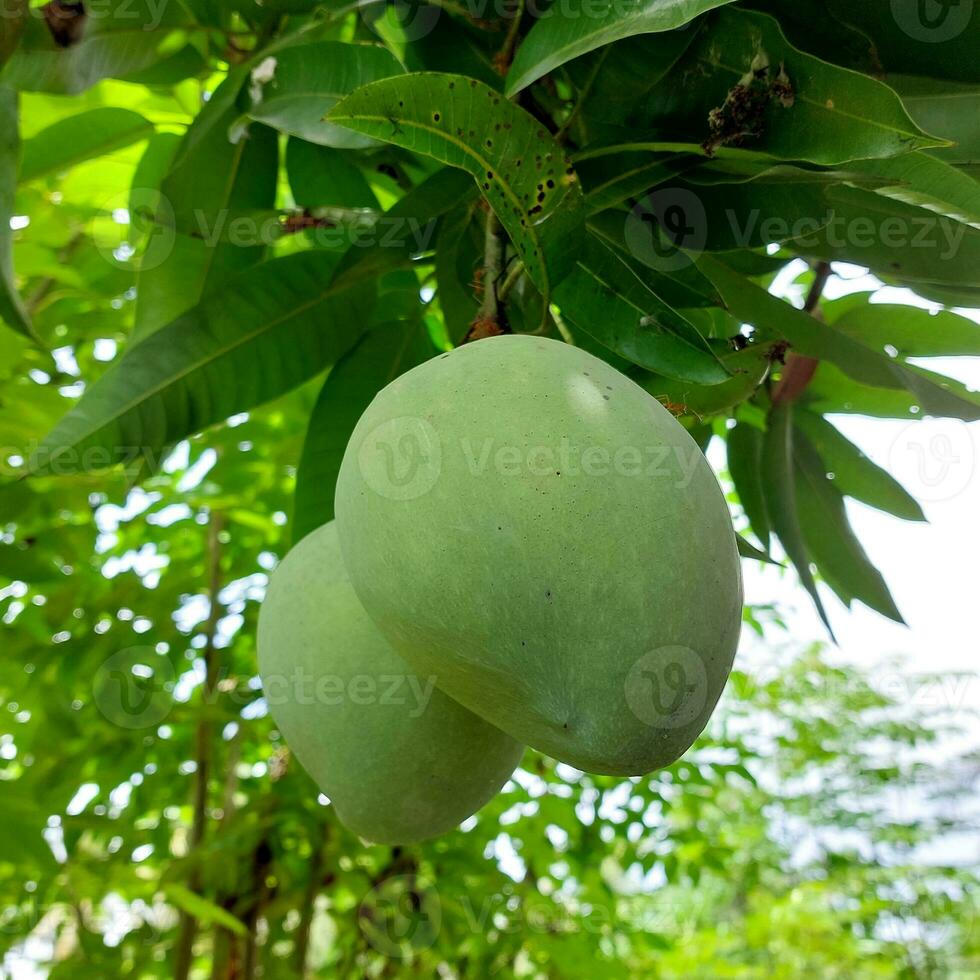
[[528, 524], [399, 760]]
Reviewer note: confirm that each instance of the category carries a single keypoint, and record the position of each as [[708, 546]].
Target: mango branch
[[489, 321], [799, 368]]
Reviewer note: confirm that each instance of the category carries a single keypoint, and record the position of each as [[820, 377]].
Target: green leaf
[[457, 260], [830, 541], [760, 92], [947, 109], [605, 298], [308, 79], [748, 368], [113, 40], [83, 136], [906, 243], [745, 468], [209, 180], [267, 331], [748, 550], [12, 18], [521, 170], [780, 479], [12, 311], [321, 176], [833, 392], [568, 30], [612, 178], [911, 331], [927, 182], [774, 318], [206, 912], [854, 474], [383, 354]]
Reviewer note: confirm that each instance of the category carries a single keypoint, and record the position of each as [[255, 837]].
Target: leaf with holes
[[521, 170]]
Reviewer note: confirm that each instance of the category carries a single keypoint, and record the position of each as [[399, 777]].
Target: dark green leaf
[[763, 94], [854, 474], [745, 468], [383, 354], [780, 479], [829, 538], [321, 176], [568, 30], [603, 297]]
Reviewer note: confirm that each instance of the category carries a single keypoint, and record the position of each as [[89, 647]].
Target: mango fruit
[[399, 760], [527, 524]]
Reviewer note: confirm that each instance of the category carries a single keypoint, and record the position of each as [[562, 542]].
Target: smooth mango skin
[[399, 760], [589, 610]]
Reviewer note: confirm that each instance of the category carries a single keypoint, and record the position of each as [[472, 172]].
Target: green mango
[[526, 523], [399, 760]]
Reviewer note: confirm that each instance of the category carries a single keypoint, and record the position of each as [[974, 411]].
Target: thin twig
[[800, 368]]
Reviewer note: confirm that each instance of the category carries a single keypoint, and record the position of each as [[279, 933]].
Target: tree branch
[[799, 368], [488, 320]]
